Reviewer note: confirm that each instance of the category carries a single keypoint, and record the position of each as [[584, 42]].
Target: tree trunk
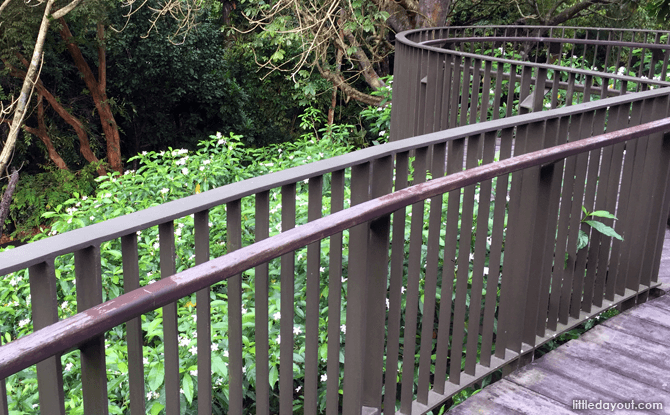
[[7, 198], [78, 126], [433, 13], [98, 93], [333, 104], [41, 132], [26, 89]]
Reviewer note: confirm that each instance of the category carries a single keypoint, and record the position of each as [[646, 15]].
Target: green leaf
[[274, 376], [8, 337], [582, 240], [156, 376], [188, 387], [156, 408], [603, 214], [604, 229]]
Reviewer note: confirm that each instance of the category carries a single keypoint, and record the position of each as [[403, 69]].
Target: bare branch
[[4, 5], [66, 9]]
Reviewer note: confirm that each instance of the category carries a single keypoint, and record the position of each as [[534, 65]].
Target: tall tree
[[31, 76]]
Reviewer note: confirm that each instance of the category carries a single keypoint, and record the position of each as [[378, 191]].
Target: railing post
[[88, 274], [44, 307], [354, 352], [377, 276]]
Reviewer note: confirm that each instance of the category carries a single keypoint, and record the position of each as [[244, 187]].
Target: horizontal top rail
[[68, 333], [554, 28], [542, 39], [427, 45], [34, 253]]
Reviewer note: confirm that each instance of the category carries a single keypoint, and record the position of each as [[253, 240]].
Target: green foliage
[[43, 192], [583, 239], [380, 117]]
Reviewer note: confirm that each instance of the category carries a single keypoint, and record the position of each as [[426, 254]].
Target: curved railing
[[506, 65], [437, 297]]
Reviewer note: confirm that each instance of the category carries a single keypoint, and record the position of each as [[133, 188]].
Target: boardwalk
[[626, 358]]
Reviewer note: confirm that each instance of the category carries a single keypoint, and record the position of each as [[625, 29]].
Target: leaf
[[582, 240], [603, 214], [156, 376], [604, 229], [188, 387], [274, 376], [156, 408]]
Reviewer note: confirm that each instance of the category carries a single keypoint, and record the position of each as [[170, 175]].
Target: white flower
[[324, 377], [193, 350], [344, 279], [144, 153], [343, 328], [64, 305], [165, 190], [84, 197], [279, 339], [68, 367], [382, 132], [388, 304], [206, 161], [13, 282], [402, 290], [225, 353], [202, 168], [298, 388], [23, 323], [322, 269], [215, 346], [156, 246], [92, 217], [244, 369], [69, 220], [194, 372], [184, 171], [145, 360], [276, 315], [296, 330], [244, 310], [218, 135], [486, 270], [195, 317], [183, 341], [221, 141]]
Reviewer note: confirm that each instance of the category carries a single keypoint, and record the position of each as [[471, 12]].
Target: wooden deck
[[623, 359]]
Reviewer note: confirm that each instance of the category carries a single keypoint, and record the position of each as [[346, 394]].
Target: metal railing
[[489, 269]]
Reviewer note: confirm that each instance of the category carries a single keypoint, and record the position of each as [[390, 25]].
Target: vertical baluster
[[395, 288], [575, 190], [236, 362], [618, 263], [498, 91], [397, 111], [420, 105], [44, 306], [663, 184], [88, 275], [454, 164], [596, 173], [569, 93], [413, 277], [486, 91], [355, 337], [555, 89], [474, 94], [664, 69], [540, 83], [509, 331], [510, 90], [4, 408], [312, 300], [463, 266], [287, 300], [479, 259], [455, 92], [261, 297], [131, 281], [377, 277], [334, 298], [430, 290], [560, 127], [495, 253], [466, 96], [204, 343], [608, 50], [446, 91], [524, 91], [618, 119], [588, 81], [170, 321]]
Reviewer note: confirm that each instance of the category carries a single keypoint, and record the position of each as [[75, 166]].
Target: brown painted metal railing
[[552, 163]]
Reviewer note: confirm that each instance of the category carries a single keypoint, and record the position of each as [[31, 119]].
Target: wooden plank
[[563, 389], [601, 379], [506, 397], [642, 328], [629, 344], [663, 302]]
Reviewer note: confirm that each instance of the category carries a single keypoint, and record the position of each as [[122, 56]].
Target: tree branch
[[65, 10], [350, 91]]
